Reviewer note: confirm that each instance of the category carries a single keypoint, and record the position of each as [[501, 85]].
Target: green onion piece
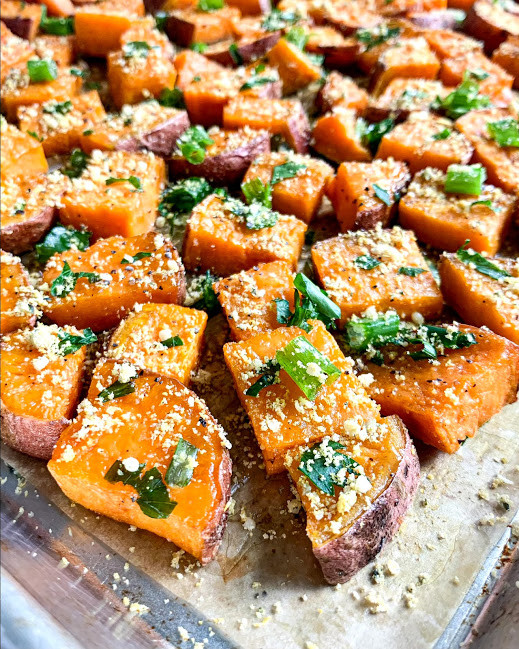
[[69, 344], [428, 351], [487, 203], [382, 194], [133, 180], [277, 20], [442, 135], [366, 262], [172, 98], [193, 143], [199, 47], [56, 26], [298, 37], [116, 390], [174, 341], [306, 366], [42, 71], [326, 467], [182, 465], [481, 264], [285, 171], [210, 5], [411, 271], [360, 333], [135, 257], [67, 280], [256, 192], [60, 239], [505, 132], [465, 179]]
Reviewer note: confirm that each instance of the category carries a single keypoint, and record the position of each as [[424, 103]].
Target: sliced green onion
[[255, 191], [182, 465], [481, 264], [465, 179], [505, 132], [360, 333], [42, 70]]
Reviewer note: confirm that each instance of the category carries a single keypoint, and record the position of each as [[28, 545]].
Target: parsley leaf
[[172, 98], [442, 135], [376, 36], [382, 194], [60, 239], [236, 57], [366, 262], [326, 467], [287, 170], [57, 107], [183, 195], [193, 143], [116, 390], [133, 180], [277, 20], [135, 257], [256, 192], [76, 164], [208, 302], [463, 99], [481, 264], [174, 341], [67, 280], [411, 271], [69, 344], [371, 134], [136, 49], [256, 81]]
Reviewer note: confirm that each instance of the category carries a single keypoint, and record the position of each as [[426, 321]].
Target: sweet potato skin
[[34, 437], [489, 22], [21, 236], [343, 557], [159, 140]]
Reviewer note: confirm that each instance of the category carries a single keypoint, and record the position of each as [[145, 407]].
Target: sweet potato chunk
[[507, 57], [22, 154], [15, 51], [281, 416], [22, 18], [58, 125], [410, 58], [380, 268], [346, 18], [364, 194], [501, 163], [402, 96], [142, 126], [445, 402], [247, 298], [447, 44], [336, 136], [482, 300], [61, 49], [218, 240], [99, 26], [188, 27], [426, 140], [17, 296], [100, 301], [345, 528], [247, 49], [118, 193], [283, 117], [163, 338], [189, 65], [337, 50], [142, 431], [302, 192], [342, 91], [40, 387], [295, 68], [445, 221], [227, 159], [492, 22], [17, 90]]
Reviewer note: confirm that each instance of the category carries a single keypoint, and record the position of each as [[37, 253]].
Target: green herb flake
[[134, 258], [76, 165], [255, 82], [161, 20], [60, 239], [298, 37], [411, 271], [182, 465], [174, 341], [116, 390], [376, 36], [136, 50], [235, 55], [69, 344], [210, 5], [326, 467], [192, 144], [208, 302], [67, 280], [269, 376], [366, 262], [462, 100], [442, 135], [479, 74], [133, 180], [34, 135], [42, 71], [255, 216], [465, 179], [183, 195], [382, 194], [172, 98], [479, 263], [285, 171], [277, 20], [370, 135], [199, 47], [505, 132], [56, 26], [255, 191], [57, 107], [89, 131]]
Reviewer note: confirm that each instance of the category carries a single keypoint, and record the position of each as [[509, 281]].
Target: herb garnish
[[67, 280], [133, 180], [366, 262], [323, 465], [136, 49], [285, 171], [174, 341], [115, 390], [208, 302], [382, 194], [481, 264], [60, 239], [505, 132], [463, 99], [277, 20], [135, 257], [371, 134], [69, 344], [76, 165], [411, 271], [182, 465], [59, 107], [193, 143], [172, 98], [376, 36]]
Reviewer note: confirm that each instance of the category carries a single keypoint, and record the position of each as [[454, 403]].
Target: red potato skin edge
[[227, 167], [22, 27], [20, 237], [343, 557], [300, 132], [35, 437], [213, 534], [484, 31], [160, 140]]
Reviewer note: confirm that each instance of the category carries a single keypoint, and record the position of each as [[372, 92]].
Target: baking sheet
[[265, 591]]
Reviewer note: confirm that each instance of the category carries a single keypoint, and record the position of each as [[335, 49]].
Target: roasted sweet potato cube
[[492, 22], [100, 301], [285, 117], [425, 140], [339, 90], [18, 302], [61, 49], [398, 7], [247, 49], [251, 7], [402, 96], [99, 26], [227, 159], [282, 417], [507, 57], [16, 51], [142, 126], [445, 221], [247, 298], [346, 18], [302, 192], [501, 163], [448, 44], [336, 136], [494, 82], [118, 193], [382, 37], [187, 27], [28, 209], [344, 527], [145, 29], [337, 50], [295, 67], [445, 402], [142, 431], [189, 65], [482, 300], [40, 387], [410, 58], [17, 90], [22, 18], [163, 338], [59, 125], [364, 194], [218, 240], [383, 269], [22, 154]]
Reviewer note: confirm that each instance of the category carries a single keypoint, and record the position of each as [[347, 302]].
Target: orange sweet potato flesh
[[507, 57], [301, 195], [448, 44], [445, 221], [61, 133], [190, 64], [219, 241], [355, 289], [84, 455], [16, 295], [61, 49], [481, 300], [281, 416], [353, 193], [335, 136], [188, 27], [22, 154], [102, 305], [99, 27], [341, 91], [247, 298], [138, 340], [15, 51], [403, 96], [36, 404], [502, 164], [119, 208], [443, 404], [295, 68], [413, 142]]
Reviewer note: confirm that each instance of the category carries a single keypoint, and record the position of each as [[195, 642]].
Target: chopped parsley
[[192, 144], [326, 467], [67, 280], [133, 180], [60, 239], [76, 165], [366, 262], [479, 263], [69, 343], [285, 171]]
